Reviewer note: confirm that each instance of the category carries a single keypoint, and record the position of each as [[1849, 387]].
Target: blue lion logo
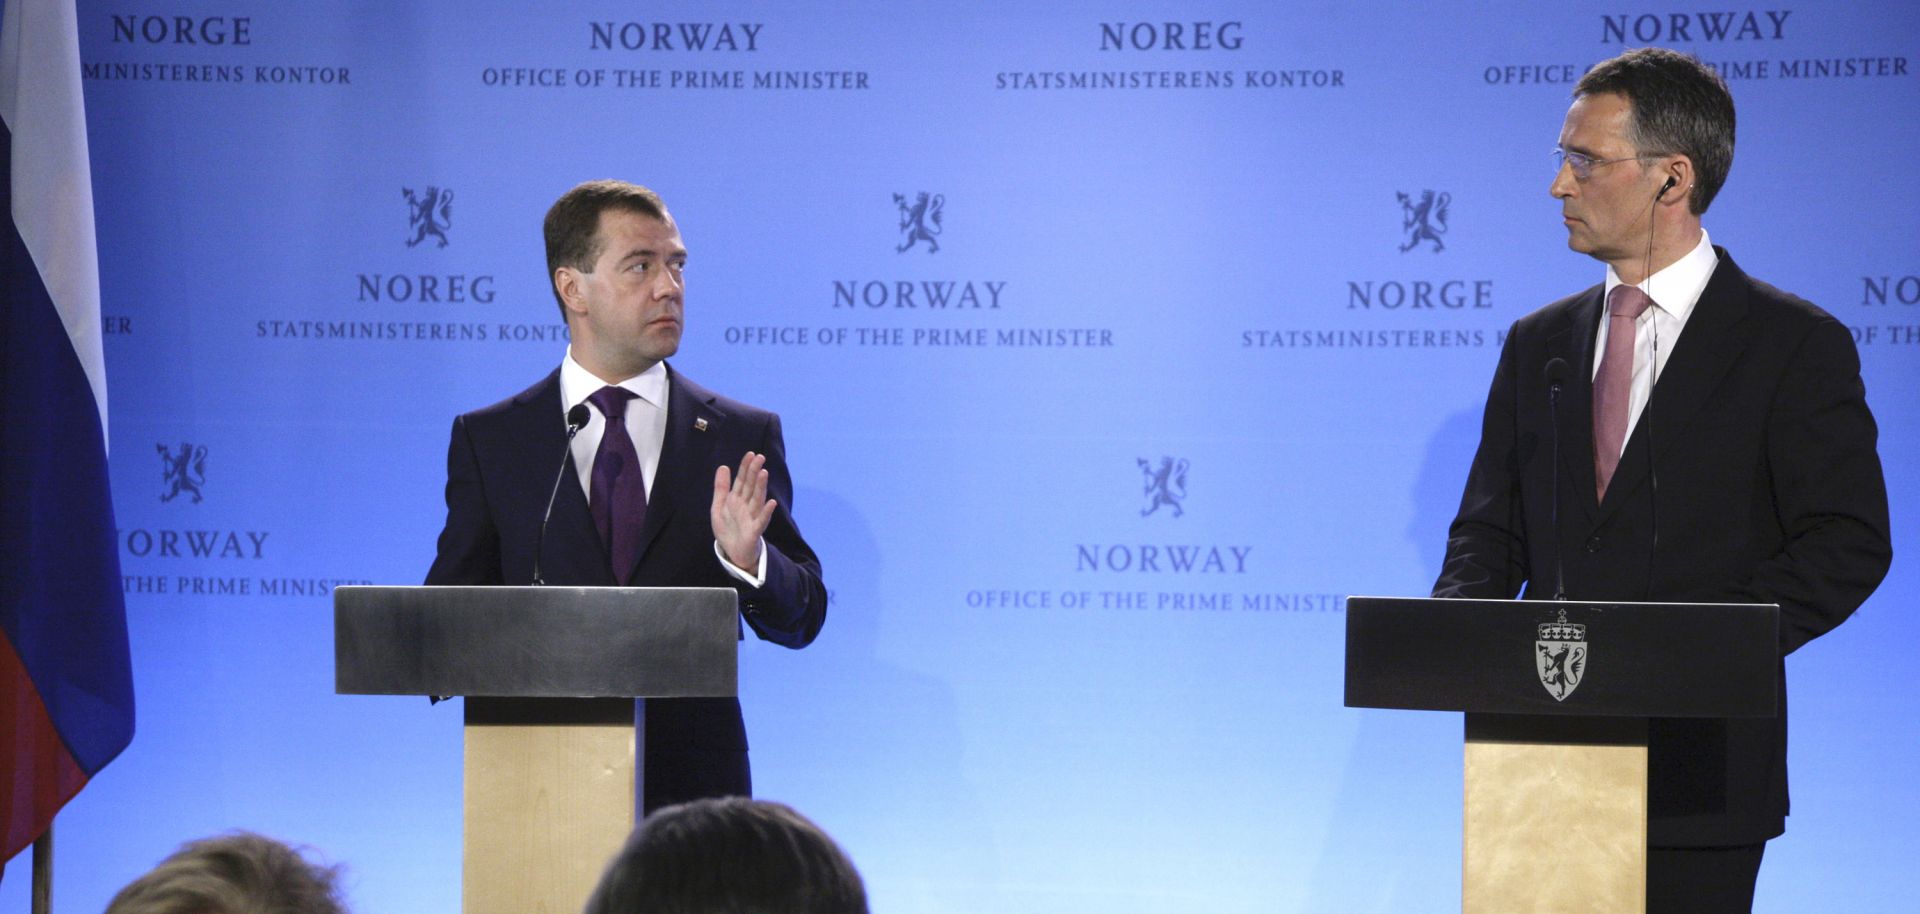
[[920, 220], [1166, 485], [184, 472], [1425, 220], [429, 213]]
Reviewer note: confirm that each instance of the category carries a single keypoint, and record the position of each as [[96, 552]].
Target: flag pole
[[42, 887]]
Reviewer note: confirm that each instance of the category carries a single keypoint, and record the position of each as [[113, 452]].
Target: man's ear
[[566, 282], [1677, 181]]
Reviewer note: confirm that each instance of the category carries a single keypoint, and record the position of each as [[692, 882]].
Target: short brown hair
[[729, 856], [572, 226], [237, 873]]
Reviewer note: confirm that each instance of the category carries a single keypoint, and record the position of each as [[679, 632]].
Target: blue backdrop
[[1170, 234]]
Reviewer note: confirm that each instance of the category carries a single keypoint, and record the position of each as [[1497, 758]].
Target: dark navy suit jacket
[[501, 466], [1769, 491]]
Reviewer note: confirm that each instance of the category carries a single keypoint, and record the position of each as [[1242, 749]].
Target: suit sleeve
[[1486, 545], [1829, 496], [790, 606], [469, 549]]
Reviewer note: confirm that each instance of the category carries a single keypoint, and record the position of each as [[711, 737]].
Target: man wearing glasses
[[1752, 477]]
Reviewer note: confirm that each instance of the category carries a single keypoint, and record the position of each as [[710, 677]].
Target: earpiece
[[1666, 187]]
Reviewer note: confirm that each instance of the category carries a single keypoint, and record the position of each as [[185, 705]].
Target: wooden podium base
[[1556, 815], [549, 800]]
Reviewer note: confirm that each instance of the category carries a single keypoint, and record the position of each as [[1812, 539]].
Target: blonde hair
[[236, 873]]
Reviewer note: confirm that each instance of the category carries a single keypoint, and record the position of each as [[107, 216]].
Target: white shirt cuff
[[757, 578]]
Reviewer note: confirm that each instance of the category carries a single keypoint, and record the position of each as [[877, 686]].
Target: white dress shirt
[[646, 421], [1674, 290], [646, 418]]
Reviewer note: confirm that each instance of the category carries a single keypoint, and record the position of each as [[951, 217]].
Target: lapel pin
[[699, 425]]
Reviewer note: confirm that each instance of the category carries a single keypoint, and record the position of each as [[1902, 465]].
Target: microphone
[[1558, 372], [576, 420], [1557, 375]]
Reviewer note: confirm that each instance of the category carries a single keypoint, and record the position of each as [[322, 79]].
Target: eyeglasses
[[1583, 164]]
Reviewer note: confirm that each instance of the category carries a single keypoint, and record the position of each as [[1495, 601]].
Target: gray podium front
[[549, 676], [1557, 697]]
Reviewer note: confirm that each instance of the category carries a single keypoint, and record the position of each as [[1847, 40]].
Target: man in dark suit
[[1715, 444], [655, 497]]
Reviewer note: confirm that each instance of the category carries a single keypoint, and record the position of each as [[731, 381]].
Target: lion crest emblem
[[920, 220], [183, 472], [1424, 221], [1560, 656], [1166, 485], [428, 213]]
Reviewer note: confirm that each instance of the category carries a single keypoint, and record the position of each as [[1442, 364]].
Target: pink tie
[[1613, 385]]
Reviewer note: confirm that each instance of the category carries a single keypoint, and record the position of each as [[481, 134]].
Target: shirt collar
[[1677, 288], [577, 383]]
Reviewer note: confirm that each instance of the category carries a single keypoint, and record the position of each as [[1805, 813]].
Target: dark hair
[[1680, 105], [729, 856], [572, 226], [238, 873]]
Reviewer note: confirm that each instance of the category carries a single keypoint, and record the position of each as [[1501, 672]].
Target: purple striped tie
[[618, 496], [1613, 385]]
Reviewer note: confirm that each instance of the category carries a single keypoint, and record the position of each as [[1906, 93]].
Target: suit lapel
[[681, 478], [1574, 342], [541, 418], [1713, 339]]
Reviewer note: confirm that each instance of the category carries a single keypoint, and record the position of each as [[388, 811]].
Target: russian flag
[[66, 687]]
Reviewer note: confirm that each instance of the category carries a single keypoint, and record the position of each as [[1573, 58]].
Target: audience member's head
[[239, 873], [729, 856]]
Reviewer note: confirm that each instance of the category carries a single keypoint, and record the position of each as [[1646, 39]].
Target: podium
[[550, 676], [1557, 697]]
